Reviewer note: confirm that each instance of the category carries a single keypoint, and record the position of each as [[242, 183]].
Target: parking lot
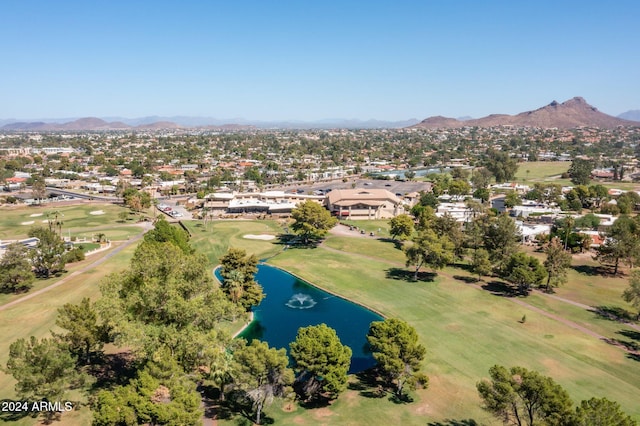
[[173, 210], [398, 188]]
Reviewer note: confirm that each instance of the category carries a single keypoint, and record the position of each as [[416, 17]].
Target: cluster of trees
[[621, 243], [20, 266], [497, 251], [591, 197], [320, 363], [580, 170], [489, 242], [49, 368], [238, 272], [16, 273], [501, 165], [519, 397], [166, 310], [136, 200], [455, 184]]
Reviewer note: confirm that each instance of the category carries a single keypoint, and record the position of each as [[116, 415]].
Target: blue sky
[[308, 60]]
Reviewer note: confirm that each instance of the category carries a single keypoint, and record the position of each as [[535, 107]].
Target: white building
[[459, 211]]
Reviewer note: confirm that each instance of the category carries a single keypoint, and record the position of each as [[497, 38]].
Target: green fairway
[[538, 171], [379, 227], [216, 237], [551, 172], [367, 246], [466, 331], [81, 220]]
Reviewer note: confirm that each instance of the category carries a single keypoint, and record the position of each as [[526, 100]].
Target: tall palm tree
[[54, 220], [569, 222]]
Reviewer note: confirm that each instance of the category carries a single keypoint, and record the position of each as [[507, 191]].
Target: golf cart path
[[85, 268], [520, 302]]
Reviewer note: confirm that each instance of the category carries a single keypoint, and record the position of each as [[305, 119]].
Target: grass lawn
[[36, 317], [215, 239], [539, 171], [550, 172], [466, 331], [88, 246], [367, 246], [78, 220], [378, 227]]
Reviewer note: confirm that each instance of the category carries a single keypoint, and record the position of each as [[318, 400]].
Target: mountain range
[[89, 123], [157, 122], [633, 115], [575, 112]]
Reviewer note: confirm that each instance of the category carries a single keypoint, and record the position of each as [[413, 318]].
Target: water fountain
[[301, 301], [292, 303]]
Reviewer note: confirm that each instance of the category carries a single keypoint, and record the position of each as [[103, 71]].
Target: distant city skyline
[[292, 60]]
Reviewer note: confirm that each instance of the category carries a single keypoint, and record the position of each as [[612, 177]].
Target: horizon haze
[[309, 62]]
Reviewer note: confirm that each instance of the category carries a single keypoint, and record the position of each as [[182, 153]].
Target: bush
[[611, 209], [74, 255]]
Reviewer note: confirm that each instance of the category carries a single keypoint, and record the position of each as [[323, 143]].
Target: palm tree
[[220, 371], [569, 222], [54, 220], [235, 285]]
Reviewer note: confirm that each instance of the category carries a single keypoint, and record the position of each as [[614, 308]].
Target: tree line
[[166, 314], [522, 397], [20, 265]]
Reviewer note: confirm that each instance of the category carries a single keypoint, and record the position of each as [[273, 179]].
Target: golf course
[[466, 326]]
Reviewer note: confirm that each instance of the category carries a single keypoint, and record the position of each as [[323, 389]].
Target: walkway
[[85, 268]]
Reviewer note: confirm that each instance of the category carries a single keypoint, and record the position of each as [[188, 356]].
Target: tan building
[[364, 204], [271, 202]]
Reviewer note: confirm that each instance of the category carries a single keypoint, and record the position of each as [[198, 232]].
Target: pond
[[291, 303]]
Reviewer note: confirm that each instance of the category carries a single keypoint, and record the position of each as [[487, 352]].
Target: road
[[83, 196]]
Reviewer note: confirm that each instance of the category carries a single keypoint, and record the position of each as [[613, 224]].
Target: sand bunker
[[35, 215], [96, 212], [30, 222], [259, 237], [45, 221]]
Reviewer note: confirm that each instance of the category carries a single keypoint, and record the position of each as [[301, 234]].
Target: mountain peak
[[576, 101], [575, 112]]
